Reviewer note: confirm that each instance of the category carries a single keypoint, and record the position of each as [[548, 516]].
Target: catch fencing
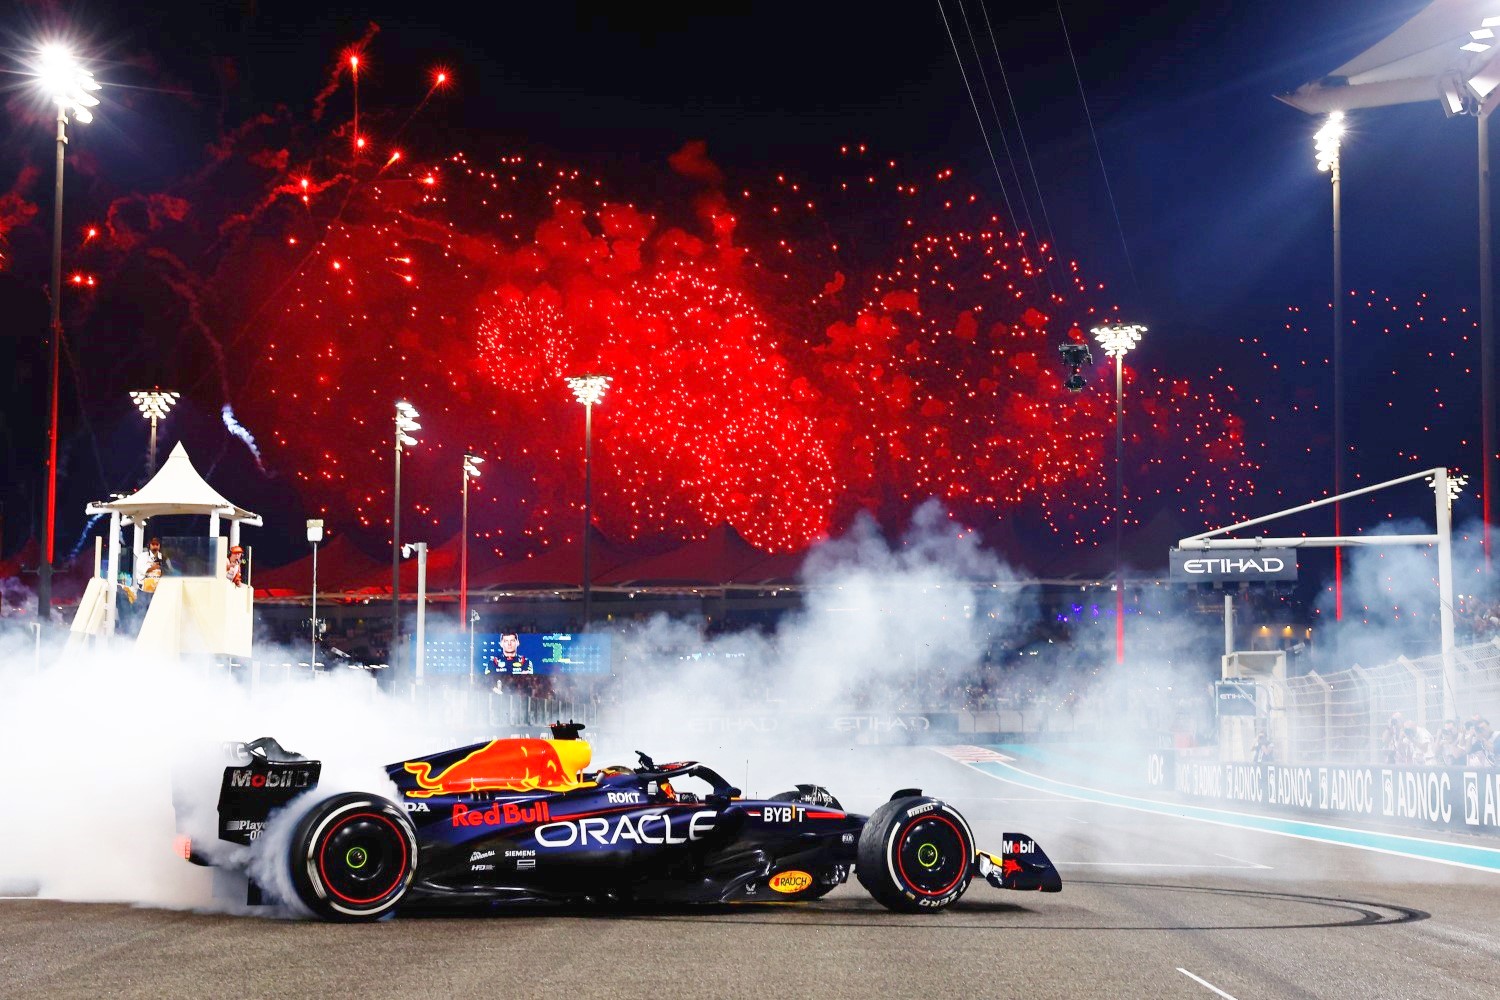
[[1342, 717]]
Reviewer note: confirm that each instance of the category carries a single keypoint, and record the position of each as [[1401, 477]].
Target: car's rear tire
[[352, 857], [916, 855]]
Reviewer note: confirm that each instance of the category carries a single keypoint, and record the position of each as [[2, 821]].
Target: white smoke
[[93, 741], [239, 430]]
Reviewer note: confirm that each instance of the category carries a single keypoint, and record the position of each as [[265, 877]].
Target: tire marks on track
[[860, 913]]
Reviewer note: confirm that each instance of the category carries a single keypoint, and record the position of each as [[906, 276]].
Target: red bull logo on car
[[501, 814], [512, 765]]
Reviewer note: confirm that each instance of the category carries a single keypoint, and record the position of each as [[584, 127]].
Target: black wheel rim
[[932, 855], [363, 858]]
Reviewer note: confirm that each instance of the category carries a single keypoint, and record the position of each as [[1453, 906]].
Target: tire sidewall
[[878, 869], [308, 881]]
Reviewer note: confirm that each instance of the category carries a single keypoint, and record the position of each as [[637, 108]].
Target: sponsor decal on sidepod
[[657, 828], [790, 882], [498, 814]]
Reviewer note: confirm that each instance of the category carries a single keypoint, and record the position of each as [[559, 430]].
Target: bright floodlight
[[471, 465], [1117, 340], [406, 422], [1327, 139], [589, 389], [67, 83], [1456, 484], [153, 403]]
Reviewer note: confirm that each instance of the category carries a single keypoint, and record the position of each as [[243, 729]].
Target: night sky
[[1224, 214]]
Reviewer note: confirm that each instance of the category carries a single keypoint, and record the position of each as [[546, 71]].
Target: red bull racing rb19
[[525, 821]]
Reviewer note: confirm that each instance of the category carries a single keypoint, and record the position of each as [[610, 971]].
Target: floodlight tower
[[314, 536], [70, 87], [1327, 142], [154, 405], [588, 390], [1117, 340], [406, 423]]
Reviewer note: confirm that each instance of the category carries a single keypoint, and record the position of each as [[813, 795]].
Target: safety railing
[[1345, 716]]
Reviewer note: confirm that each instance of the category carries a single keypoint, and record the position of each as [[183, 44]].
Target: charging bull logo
[[512, 765]]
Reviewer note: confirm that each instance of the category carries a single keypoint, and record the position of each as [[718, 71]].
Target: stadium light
[[406, 424], [1118, 339], [154, 405], [67, 83], [1456, 484], [1328, 139]]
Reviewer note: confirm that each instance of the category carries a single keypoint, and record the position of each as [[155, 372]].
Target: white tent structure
[[201, 612], [1450, 53]]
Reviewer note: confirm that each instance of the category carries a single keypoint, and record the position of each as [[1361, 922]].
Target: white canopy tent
[[177, 488], [1448, 52]]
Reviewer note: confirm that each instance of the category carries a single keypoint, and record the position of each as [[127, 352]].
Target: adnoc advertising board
[[1461, 800]]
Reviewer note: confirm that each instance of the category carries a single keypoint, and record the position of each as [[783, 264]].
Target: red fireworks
[[785, 351]]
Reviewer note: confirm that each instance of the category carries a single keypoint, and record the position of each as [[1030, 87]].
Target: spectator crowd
[[1470, 743]]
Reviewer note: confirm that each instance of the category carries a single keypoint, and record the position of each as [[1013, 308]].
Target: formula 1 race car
[[523, 820]]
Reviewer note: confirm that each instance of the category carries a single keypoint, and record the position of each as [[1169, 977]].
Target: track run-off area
[[1159, 900]]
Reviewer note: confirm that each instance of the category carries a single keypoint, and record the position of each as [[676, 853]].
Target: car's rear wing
[[264, 777]]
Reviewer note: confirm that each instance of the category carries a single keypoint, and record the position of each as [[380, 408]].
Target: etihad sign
[[1233, 565], [1270, 564]]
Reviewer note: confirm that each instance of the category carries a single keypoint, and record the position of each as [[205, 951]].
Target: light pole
[[1486, 331], [419, 549], [473, 624], [69, 87], [406, 422], [472, 463], [1326, 142], [1117, 341], [588, 389], [154, 405], [314, 535]]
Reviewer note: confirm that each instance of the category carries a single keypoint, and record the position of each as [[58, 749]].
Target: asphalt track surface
[[1153, 906]]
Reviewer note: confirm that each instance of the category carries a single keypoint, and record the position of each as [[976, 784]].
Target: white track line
[[1153, 864], [1243, 861], [1205, 983]]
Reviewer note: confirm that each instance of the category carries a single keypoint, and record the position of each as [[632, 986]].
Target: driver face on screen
[[509, 643]]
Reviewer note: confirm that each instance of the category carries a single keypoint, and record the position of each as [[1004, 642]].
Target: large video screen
[[526, 653]]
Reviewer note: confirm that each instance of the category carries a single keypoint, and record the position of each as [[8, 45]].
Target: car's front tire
[[916, 855], [352, 857]]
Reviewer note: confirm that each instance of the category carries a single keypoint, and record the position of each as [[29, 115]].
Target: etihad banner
[[1233, 565], [1436, 798]]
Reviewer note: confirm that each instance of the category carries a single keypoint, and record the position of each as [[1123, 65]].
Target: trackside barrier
[[1454, 799], [1342, 717]]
